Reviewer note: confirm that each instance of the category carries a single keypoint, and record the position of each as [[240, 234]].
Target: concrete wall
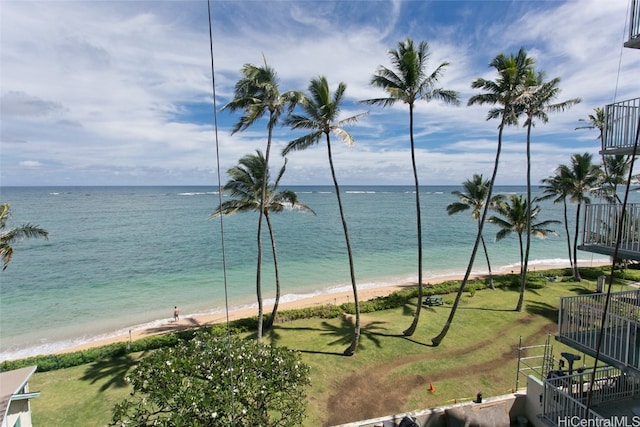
[[535, 393], [493, 411]]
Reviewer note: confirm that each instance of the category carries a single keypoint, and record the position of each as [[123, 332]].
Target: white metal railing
[[566, 396], [620, 124], [600, 226], [580, 321]]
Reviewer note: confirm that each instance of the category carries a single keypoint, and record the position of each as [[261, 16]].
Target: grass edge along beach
[[482, 340]]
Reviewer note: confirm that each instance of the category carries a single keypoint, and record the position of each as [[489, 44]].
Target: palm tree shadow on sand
[[186, 324]]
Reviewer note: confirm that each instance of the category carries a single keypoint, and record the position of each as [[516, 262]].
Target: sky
[[121, 92]]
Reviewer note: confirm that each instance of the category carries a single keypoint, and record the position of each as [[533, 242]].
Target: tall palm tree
[[582, 178], [257, 94], [504, 92], [322, 112], [515, 219], [474, 197], [558, 187], [408, 82], [536, 101], [245, 188], [12, 235]]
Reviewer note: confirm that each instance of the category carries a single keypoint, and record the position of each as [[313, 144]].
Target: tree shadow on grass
[[542, 309], [581, 290], [484, 308], [112, 371], [370, 333]]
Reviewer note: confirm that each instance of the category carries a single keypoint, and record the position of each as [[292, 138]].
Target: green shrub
[[209, 381]]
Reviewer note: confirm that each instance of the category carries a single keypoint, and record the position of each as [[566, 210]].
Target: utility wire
[[224, 261]]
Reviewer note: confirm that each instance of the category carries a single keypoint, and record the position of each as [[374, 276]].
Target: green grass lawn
[[390, 373]]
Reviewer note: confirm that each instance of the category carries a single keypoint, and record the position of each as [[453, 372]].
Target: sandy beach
[[195, 321]]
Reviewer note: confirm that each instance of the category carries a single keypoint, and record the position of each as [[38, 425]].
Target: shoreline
[[325, 296], [339, 297]]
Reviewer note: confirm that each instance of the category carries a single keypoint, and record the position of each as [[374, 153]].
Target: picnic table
[[432, 300]]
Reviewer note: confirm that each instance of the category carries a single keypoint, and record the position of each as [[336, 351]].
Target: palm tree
[[536, 102], [410, 83], [257, 94], [504, 91], [582, 178], [474, 197], [558, 187], [616, 166], [514, 220], [7, 238], [245, 186], [616, 171], [322, 111], [596, 121]]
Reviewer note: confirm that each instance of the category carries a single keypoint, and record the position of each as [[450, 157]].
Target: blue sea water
[[119, 258]]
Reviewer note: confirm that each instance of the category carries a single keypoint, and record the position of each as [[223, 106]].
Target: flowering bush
[[216, 382]]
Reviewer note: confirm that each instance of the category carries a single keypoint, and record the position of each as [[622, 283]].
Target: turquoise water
[[119, 258]]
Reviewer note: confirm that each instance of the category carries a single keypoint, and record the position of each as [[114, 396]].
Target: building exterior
[[15, 397], [606, 327]]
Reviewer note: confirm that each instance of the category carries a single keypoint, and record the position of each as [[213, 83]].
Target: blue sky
[[119, 92]]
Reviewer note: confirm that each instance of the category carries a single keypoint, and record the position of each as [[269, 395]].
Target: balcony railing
[[634, 26], [580, 321], [600, 230], [565, 396], [621, 122]]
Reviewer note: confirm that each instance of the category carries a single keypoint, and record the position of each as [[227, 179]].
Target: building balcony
[[634, 26], [600, 230], [621, 121], [615, 394], [580, 322]]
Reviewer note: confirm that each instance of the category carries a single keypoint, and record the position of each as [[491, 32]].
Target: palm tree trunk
[[438, 339], [486, 254], [259, 237], [525, 264], [523, 276], [356, 332], [576, 272], [566, 230], [269, 322], [409, 331]]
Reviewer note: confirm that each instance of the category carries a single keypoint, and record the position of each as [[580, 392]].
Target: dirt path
[[371, 394]]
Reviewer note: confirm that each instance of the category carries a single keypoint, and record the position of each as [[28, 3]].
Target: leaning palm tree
[[12, 235], [474, 197], [504, 92], [517, 218], [245, 188], [257, 94], [536, 101], [582, 178], [322, 111], [409, 83], [556, 187]]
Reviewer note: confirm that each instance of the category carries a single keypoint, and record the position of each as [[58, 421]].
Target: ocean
[[120, 258]]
